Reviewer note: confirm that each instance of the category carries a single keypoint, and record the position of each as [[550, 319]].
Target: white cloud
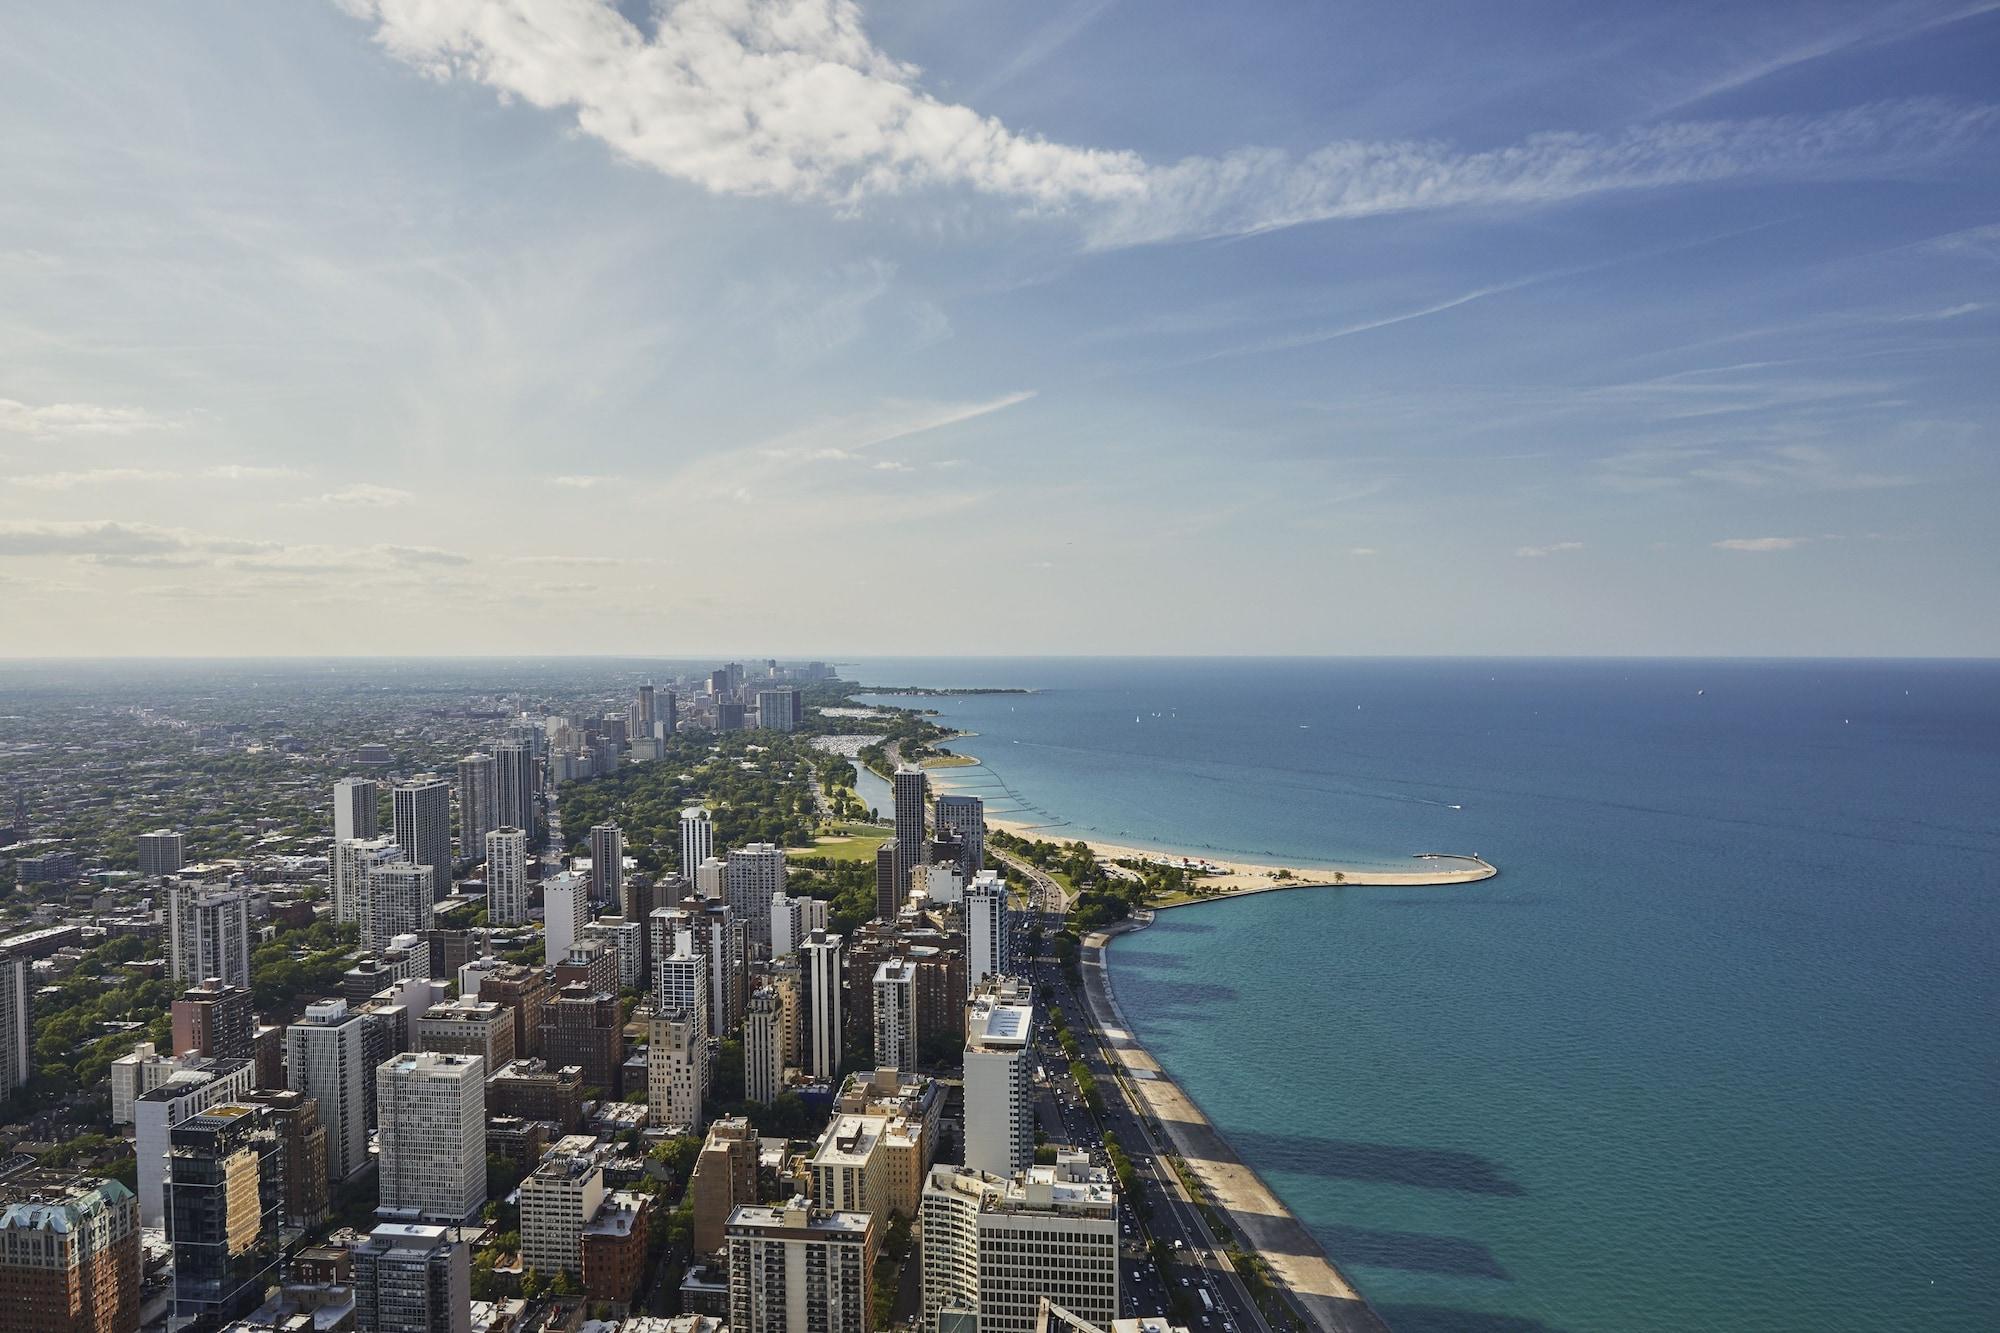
[[110, 538], [1363, 551], [55, 420], [65, 481], [363, 494], [582, 482], [1760, 543], [1553, 548], [791, 98], [250, 472]]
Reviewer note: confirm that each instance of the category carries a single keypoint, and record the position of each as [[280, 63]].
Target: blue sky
[[806, 326]]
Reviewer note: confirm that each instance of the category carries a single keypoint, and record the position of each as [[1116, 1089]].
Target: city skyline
[[1448, 331]]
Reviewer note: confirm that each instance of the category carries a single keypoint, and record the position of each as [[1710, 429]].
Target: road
[[1199, 1264]]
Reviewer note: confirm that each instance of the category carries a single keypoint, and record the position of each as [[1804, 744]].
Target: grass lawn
[[848, 842], [948, 761]]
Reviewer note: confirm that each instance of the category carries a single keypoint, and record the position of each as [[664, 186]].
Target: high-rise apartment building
[[849, 1166], [719, 935], [820, 958], [401, 899], [680, 966], [16, 1024], [988, 932], [724, 1178], [214, 1019], [999, 1102], [697, 839], [583, 1027], [999, 1246], [432, 1111], [764, 1046], [896, 1014], [607, 866], [516, 786], [468, 1025], [353, 860], [423, 827], [478, 802], [800, 1269], [410, 1278], [507, 877], [964, 818], [295, 1117], [755, 875], [225, 1205], [160, 852], [208, 934], [194, 1086], [565, 910], [69, 1254], [792, 919], [711, 879], [676, 1068], [912, 797], [644, 712], [890, 889], [780, 710], [557, 1199], [324, 1059], [357, 809]]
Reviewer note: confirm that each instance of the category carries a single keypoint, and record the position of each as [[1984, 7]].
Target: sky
[[409, 327]]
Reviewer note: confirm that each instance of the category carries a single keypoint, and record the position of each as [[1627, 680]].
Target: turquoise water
[[1716, 1050]]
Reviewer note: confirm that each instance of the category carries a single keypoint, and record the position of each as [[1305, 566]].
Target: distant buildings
[[912, 800], [896, 1014], [160, 852], [401, 899], [800, 1269], [353, 860], [780, 710], [357, 807], [412, 1279], [507, 877], [422, 809], [676, 1068], [516, 784], [565, 909], [432, 1108], [999, 1105], [69, 1254], [16, 1024]]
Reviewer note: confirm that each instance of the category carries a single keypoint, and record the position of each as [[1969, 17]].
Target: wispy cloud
[[111, 537], [1759, 544], [56, 420], [101, 476], [363, 495], [1553, 548], [792, 98], [250, 472], [582, 482]]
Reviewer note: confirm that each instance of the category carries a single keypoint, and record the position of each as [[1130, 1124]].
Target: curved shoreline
[[1297, 1262]]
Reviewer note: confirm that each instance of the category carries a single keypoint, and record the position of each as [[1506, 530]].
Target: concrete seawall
[[1260, 1220]]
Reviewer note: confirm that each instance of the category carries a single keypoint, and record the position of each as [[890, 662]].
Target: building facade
[[431, 1106]]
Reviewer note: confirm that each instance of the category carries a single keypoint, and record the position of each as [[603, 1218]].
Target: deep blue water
[[1718, 1049]]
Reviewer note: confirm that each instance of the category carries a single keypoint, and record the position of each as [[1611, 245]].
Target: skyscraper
[[912, 799], [225, 1202], [720, 935], [999, 1105], [160, 852], [16, 1024], [607, 865], [896, 1014], [208, 934], [964, 818], [516, 785], [565, 909], [820, 956], [890, 890], [755, 875], [353, 859], [356, 808], [1000, 1246], [507, 877], [214, 1019], [478, 808], [643, 714], [764, 1047], [697, 839], [676, 1068], [423, 827], [324, 1060], [799, 1269], [432, 1109], [69, 1254], [400, 902], [779, 710], [987, 929], [412, 1279]]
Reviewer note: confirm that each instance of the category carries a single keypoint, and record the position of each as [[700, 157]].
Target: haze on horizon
[[531, 327]]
